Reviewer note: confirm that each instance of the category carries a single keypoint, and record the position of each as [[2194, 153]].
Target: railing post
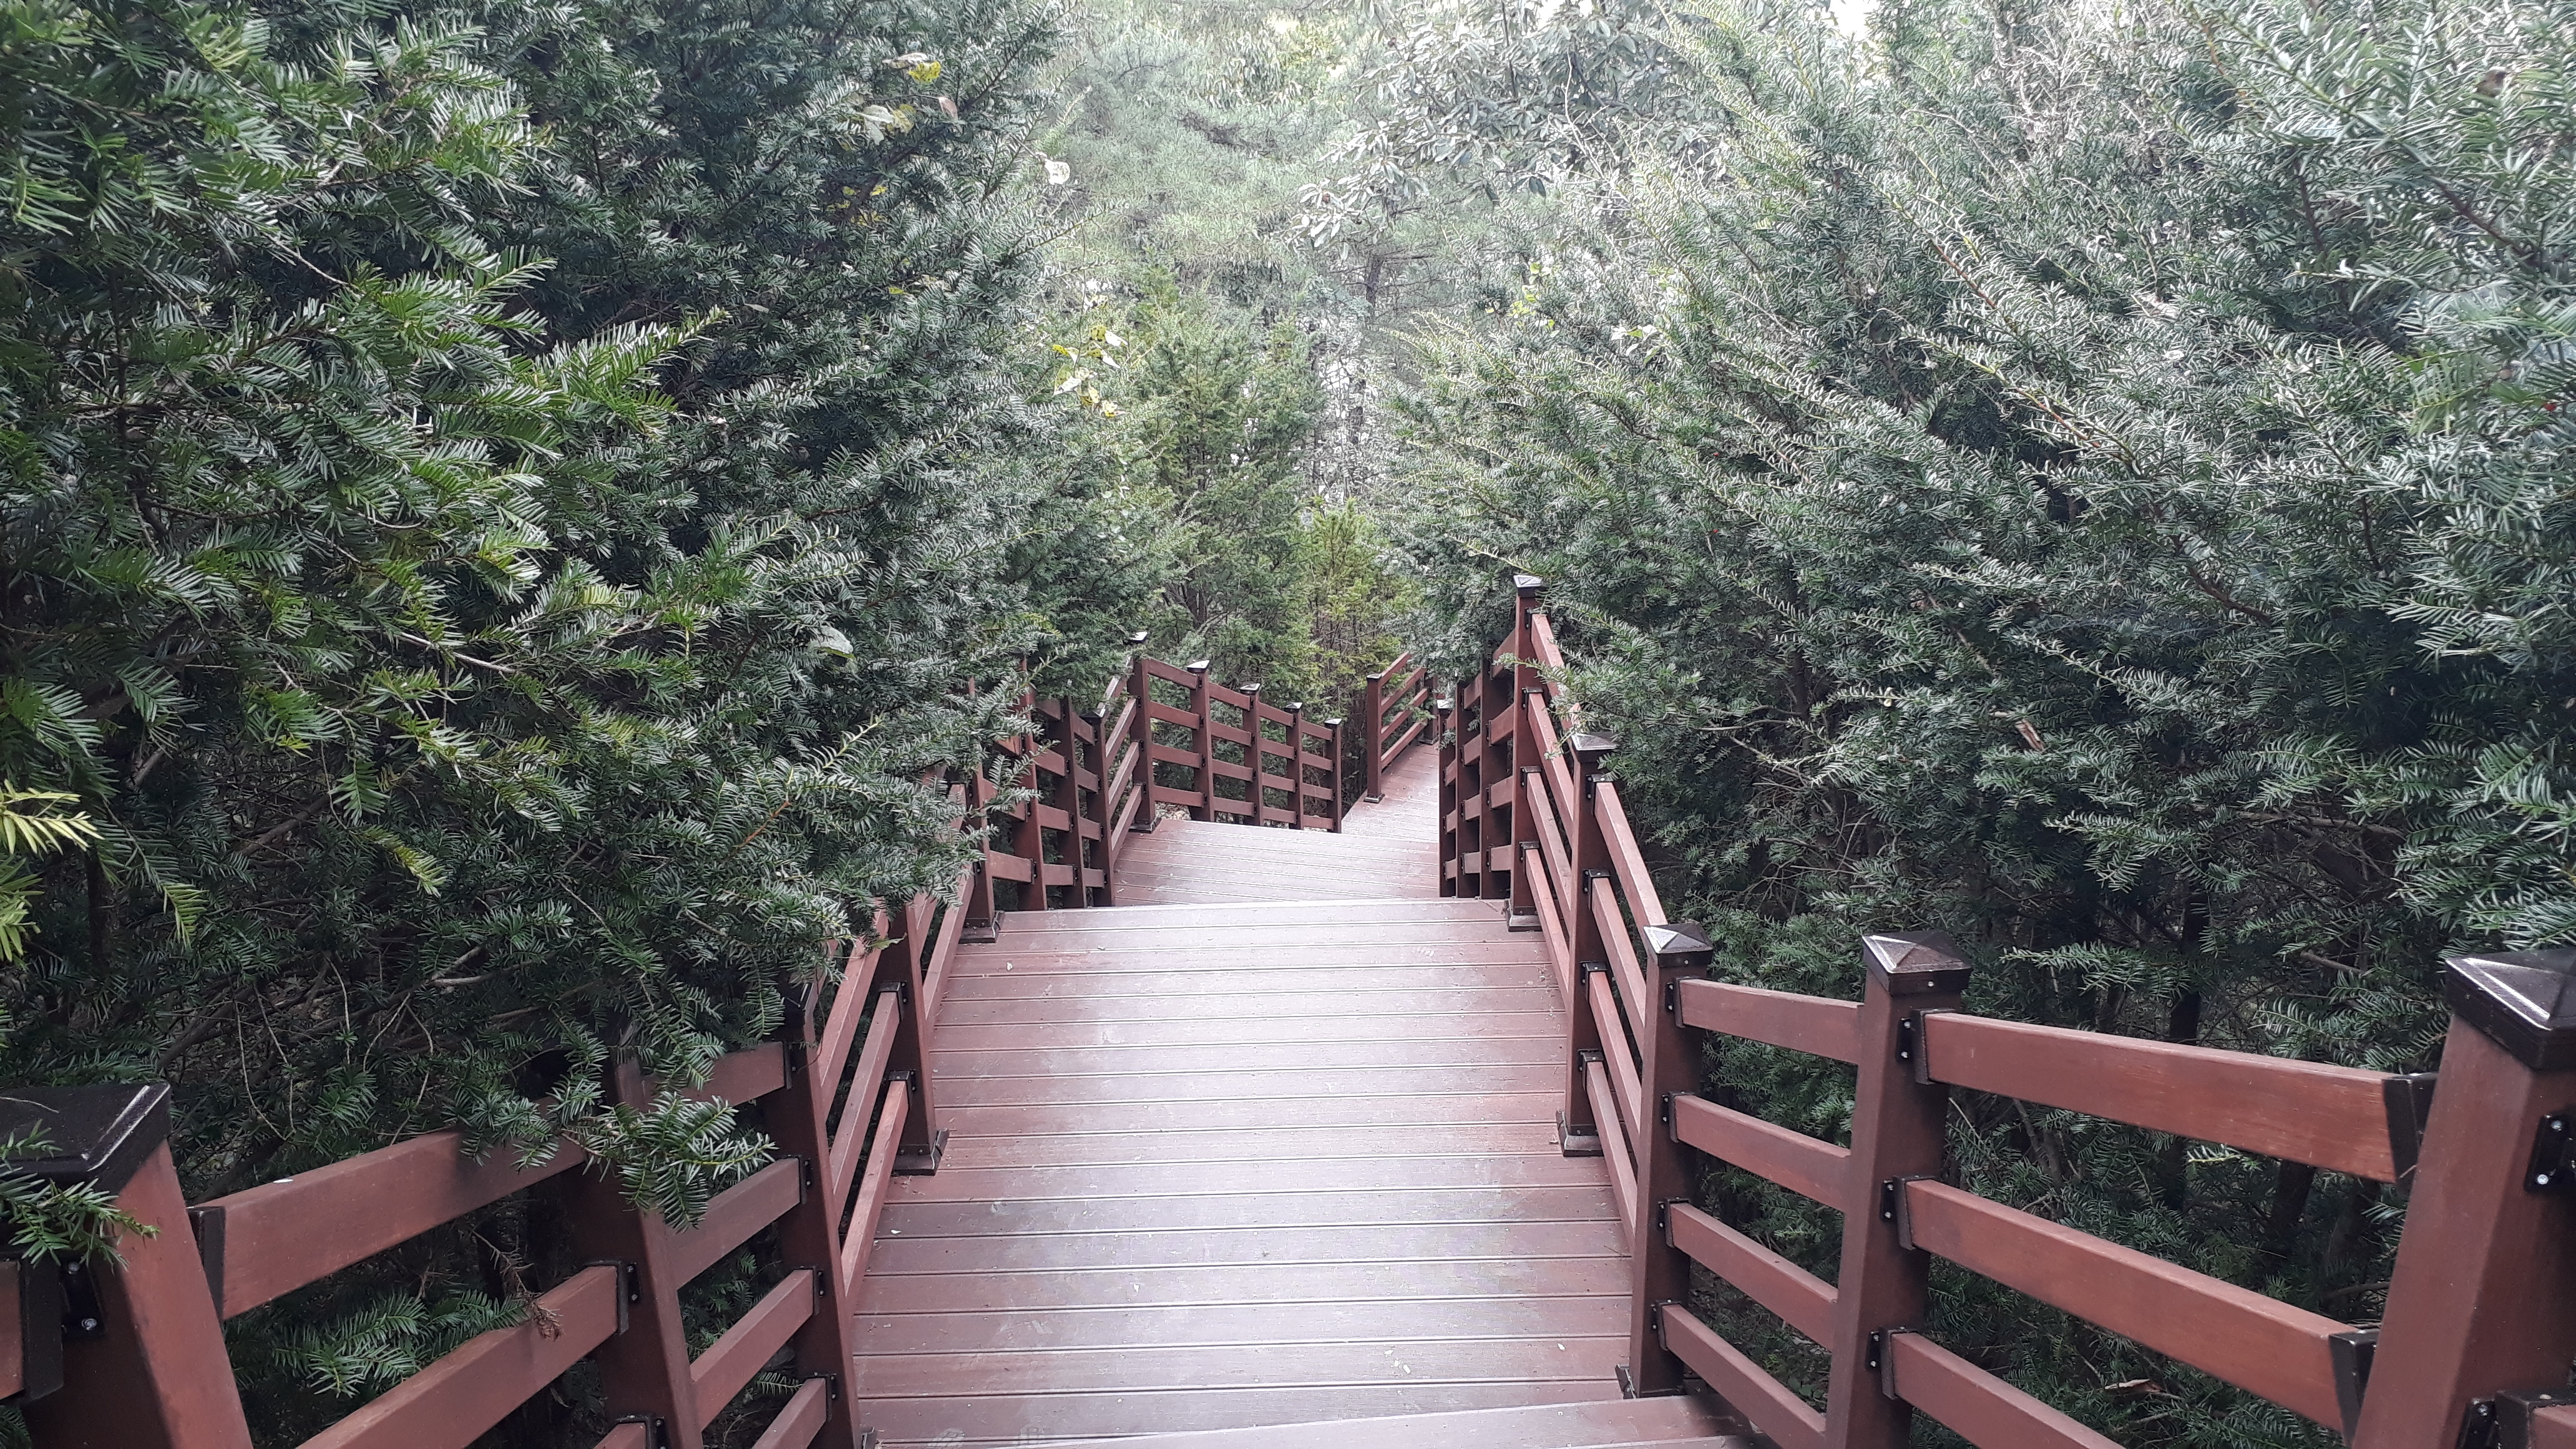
[[1140, 684], [1203, 704], [1373, 737], [1068, 796], [1577, 1134], [1096, 724], [2483, 1299], [1659, 1273], [1444, 727], [1029, 840], [1526, 781], [905, 964], [644, 1371], [1338, 787], [1252, 752], [983, 914], [809, 1235], [153, 1373], [1896, 1134], [1296, 763]]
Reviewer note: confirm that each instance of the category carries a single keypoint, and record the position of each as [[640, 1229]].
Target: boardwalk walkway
[[1275, 1148]]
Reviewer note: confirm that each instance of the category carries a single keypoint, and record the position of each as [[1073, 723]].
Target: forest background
[[506, 506]]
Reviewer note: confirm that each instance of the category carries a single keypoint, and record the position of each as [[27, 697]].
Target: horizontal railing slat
[[841, 1028], [730, 1362], [456, 1400], [1816, 1025], [2326, 1116], [1977, 1406], [863, 1094], [735, 1214], [2259, 1344], [1626, 861], [1631, 1092], [1616, 1150], [1616, 944], [1800, 1163], [1800, 1299], [275, 1238], [802, 1419], [872, 1186], [1788, 1419]]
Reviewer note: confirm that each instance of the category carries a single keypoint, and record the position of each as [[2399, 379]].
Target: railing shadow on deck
[[135, 1358], [2480, 1321]]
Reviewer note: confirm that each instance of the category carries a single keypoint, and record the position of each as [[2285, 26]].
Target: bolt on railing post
[[2483, 1299], [1659, 1273], [1140, 688], [1373, 737], [1577, 1134], [1203, 704], [152, 1372], [1896, 1134]]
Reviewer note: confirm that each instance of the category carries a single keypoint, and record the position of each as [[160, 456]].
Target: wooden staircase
[[1277, 1148]]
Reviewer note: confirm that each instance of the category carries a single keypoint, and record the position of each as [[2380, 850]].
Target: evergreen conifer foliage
[[508, 512], [2096, 483]]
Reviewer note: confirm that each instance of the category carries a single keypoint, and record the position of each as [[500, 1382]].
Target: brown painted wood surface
[[800, 1420], [1790, 1421], [451, 1403], [1800, 1163], [1799, 1298], [1678, 1423], [1274, 1148], [718, 1374], [1977, 1406], [2326, 1116], [735, 1214], [1811, 1024], [2257, 1343]]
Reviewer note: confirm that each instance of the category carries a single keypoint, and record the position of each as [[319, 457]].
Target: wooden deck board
[[1278, 1149]]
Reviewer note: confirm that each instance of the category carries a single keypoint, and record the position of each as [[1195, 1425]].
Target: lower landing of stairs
[[1665, 1423]]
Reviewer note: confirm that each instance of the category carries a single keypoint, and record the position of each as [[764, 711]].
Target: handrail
[[2480, 1318], [163, 1377]]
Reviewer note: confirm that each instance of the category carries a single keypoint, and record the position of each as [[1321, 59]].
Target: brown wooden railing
[[1395, 709], [2480, 1321], [845, 1093]]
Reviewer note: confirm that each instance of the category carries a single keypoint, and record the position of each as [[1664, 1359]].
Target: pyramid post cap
[[1678, 944], [2523, 1001], [97, 1135], [1528, 586], [1916, 963], [1197, 666]]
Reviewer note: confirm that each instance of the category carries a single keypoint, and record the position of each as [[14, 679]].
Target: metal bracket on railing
[[630, 1285], [1892, 1208], [831, 1386], [2350, 1353], [1908, 1030], [804, 1177], [2512, 1428], [1655, 1317], [1664, 1109], [657, 1430], [1673, 997], [2553, 1155], [1882, 1363], [1664, 1213]]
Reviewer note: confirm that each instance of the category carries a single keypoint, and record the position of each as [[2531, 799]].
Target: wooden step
[[1674, 1423]]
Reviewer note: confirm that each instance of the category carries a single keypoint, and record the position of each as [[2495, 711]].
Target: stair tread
[[1671, 1423]]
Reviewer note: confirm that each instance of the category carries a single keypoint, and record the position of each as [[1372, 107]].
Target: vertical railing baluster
[[2483, 1299], [1659, 1273], [1577, 1134], [1896, 1134], [1203, 704]]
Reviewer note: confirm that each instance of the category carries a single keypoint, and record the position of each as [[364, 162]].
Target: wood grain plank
[[1535, 1136], [1002, 1417], [1234, 1210], [1799, 1298], [1246, 1325], [1453, 1361], [1787, 1419], [450, 1404], [800, 1420], [1977, 1406], [1150, 1060], [1243, 1086], [1800, 1163], [1159, 1115], [1261, 1283], [1812, 1024], [1447, 1242], [1400, 1008], [1465, 1024], [1351, 983], [718, 1374], [1130, 1181]]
